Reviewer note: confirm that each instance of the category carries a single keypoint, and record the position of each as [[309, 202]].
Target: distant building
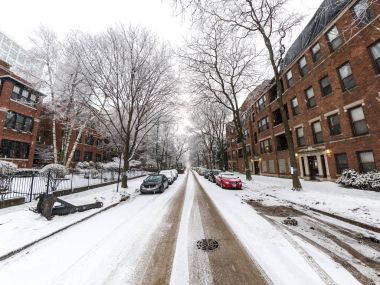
[[20, 108], [332, 97]]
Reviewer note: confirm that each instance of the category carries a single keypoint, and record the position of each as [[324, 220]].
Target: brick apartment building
[[20, 108], [331, 76], [91, 147]]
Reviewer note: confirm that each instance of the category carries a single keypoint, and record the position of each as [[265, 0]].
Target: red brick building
[[20, 107], [331, 76], [91, 147]]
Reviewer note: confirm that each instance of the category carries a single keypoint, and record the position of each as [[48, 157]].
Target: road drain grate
[[207, 244]]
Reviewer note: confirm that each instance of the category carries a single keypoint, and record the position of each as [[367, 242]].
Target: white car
[[175, 172], [169, 175]]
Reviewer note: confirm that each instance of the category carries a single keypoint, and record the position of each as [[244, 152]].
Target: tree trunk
[[239, 129], [55, 153], [74, 147], [124, 177]]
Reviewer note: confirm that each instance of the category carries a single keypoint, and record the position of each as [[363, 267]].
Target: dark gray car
[[155, 183]]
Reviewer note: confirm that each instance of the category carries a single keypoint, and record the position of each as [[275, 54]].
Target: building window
[[366, 161], [359, 124], [346, 77], [341, 162], [89, 140], [317, 132], [289, 78], [281, 142], [98, 157], [303, 66], [263, 124], [300, 137], [311, 102], [375, 52], [19, 122], [260, 104], [334, 124], [266, 146], [326, 88], [87, 156], [363, 13], [316, 52], [99, 143], [23, 95], [14, 149], [77, 155], [295, 106], [334, 38]]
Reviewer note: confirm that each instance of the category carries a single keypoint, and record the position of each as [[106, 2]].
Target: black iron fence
[[30, 184]]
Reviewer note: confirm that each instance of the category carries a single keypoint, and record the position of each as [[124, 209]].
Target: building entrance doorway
[[256, 167], [313, 167]]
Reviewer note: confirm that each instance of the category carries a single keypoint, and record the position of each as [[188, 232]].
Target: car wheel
[[161, 189]]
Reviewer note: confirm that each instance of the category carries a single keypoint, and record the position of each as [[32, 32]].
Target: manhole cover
[[207, 244]]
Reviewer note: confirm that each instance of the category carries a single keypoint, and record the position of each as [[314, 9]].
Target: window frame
[[354, 132], [289, 81], [331, 42], [323, 88], [376, 64], [332, 129], [338, 166], [361, 163], [317, 136], [312, 99], [342, 80], [318, 55], [295, 109], [261, 127], [303, 69], [300, 140]]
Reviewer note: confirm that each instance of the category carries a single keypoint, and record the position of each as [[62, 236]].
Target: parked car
[[169, 175], [213, 174], [155, 183], [175, 172], [228, 180], [206, 173]]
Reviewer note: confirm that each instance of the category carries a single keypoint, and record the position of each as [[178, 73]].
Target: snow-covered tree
[[132, 83]]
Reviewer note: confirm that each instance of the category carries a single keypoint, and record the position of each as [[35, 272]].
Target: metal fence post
[[88, 182], [48, 182], [31, 188], [72, 178]]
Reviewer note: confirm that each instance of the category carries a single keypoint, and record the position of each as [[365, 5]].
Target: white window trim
[[333, 112], [314, 120], [353, 104], [263, 139], [298, 126]]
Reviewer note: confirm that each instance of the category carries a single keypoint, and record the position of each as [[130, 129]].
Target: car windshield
[[155, 178]]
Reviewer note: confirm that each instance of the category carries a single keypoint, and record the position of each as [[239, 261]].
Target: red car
[[228, 180]]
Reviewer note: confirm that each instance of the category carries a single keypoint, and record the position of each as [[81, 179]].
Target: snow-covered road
[[151, 239]]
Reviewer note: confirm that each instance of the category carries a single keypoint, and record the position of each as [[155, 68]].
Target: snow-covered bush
[[55, 170], [365, 181], [82, 165], [93, 173], [7, 167]]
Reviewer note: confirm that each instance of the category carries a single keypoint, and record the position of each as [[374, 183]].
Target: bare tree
[[47, 51], [268, 20], [131, 83], [222, 69]]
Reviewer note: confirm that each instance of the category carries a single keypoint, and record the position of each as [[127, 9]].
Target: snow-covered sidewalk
[[359, 205], [20, 226]]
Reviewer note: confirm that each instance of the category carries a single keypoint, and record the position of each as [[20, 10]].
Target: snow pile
[[364, 181]]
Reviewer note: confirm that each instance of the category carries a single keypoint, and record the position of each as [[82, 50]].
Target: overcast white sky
[[94, 16]]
